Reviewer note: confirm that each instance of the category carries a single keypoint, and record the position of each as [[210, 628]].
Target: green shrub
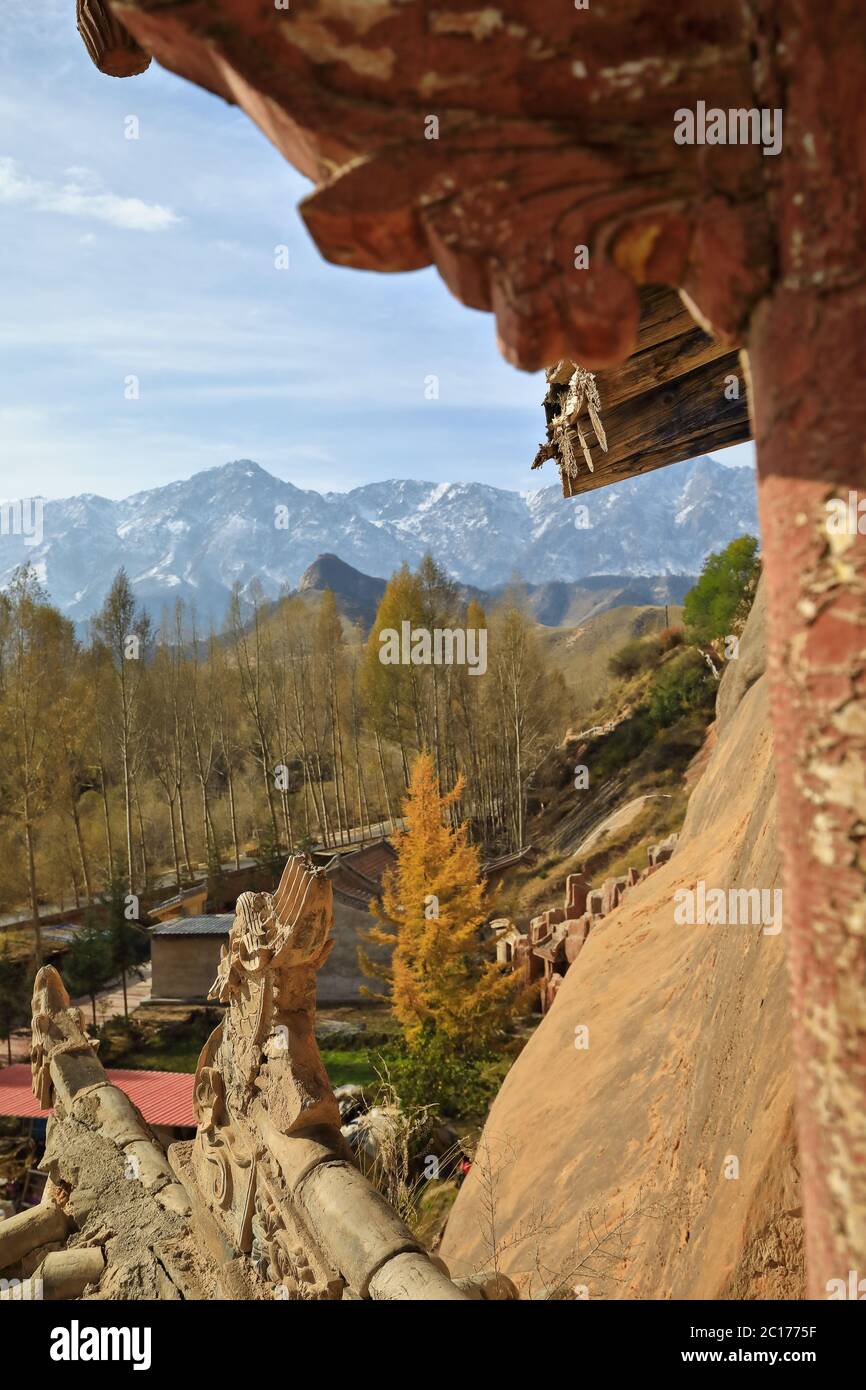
[[683, 684], [671, 637], [432, 1073], [720, 601], [620, 748], [640, 654]]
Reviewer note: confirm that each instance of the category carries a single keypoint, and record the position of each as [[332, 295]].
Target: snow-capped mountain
[[197, 538]]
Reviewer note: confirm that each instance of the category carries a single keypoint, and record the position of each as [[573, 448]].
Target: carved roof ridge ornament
[[269, 1174], [571, 389], [274, 1200], [266, 977], [57, 1026], [112, 48]]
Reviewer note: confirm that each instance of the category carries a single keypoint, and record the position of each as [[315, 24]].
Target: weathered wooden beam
[[663, 364], [663, 316], [112, 48], [686, 414], [670, 400]]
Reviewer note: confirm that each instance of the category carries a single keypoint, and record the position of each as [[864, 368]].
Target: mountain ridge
[[235, 523]]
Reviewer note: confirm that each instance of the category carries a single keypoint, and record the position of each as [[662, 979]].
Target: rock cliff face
[[659, 1161]]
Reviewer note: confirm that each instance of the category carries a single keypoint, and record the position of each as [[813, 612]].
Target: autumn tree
[[202, 676], [329, 644], [250, 650], [430, 915], [391, 690], [121, 632], [228, 725], [74, 744], [529, 702], [165, 746], [288, 728], [37, 648], [127, 942]]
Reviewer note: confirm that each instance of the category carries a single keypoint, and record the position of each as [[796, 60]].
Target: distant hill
[[558, 604], [357, 594], [554, 605]]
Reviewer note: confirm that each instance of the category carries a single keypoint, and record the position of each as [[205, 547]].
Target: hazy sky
[[154, 258]]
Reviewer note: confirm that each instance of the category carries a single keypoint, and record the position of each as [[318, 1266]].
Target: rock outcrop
[[643, 1146]]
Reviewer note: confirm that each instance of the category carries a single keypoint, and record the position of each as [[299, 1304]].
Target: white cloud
[[81, 196]]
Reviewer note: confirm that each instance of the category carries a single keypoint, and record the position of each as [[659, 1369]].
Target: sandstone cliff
[[610, 1169]]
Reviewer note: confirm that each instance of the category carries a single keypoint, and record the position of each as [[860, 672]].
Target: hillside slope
[[606, 1167], [582, 652]]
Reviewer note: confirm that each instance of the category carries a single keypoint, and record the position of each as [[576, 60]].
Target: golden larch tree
[[430, 913]]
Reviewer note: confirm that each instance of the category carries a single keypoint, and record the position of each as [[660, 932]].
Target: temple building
[[537, 155]]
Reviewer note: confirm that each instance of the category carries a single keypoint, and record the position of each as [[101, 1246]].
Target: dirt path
[[618, 820]]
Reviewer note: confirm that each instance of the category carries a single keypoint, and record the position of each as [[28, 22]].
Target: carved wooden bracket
[[497, 143], [111, 46]]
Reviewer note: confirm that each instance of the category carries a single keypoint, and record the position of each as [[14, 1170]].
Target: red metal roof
[[163, 1097]]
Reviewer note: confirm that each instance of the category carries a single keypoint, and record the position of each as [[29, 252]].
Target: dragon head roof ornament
[[269, 1170], [268, 1189], [57, 1031]]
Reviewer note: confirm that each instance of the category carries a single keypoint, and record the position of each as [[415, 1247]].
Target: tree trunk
[[31, 884], [106, 820], [384, 781], [82, 853], [142, 843], [174, 853], [127, 796], [232, 814], [270, 795], [184, 838]]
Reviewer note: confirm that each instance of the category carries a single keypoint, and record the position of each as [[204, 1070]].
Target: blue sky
[[154, 258]]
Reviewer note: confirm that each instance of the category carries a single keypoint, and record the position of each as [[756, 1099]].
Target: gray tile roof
[[215, 924], [180, 897]]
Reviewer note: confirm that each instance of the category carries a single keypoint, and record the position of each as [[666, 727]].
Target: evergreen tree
[[216, 879], [128, 943], [89, 962], [14, 997]]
